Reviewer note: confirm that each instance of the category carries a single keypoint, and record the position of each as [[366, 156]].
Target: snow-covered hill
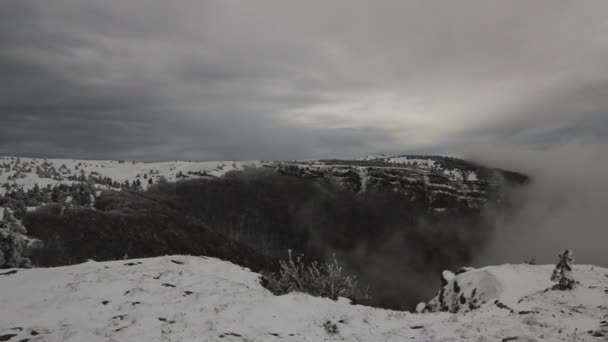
[[441, 183], [24, 173], [182, 298]]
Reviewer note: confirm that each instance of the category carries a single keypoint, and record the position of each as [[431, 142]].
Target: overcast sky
[[227, 79]]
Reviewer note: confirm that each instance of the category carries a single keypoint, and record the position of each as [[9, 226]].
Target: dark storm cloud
[[291, 79]]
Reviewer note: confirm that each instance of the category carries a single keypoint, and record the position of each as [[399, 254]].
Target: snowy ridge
[[21, 172], [24, 172], [408, 176], [441, 183], [182, 298]]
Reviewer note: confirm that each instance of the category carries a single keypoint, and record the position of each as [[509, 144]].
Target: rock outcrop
[[440, 183]]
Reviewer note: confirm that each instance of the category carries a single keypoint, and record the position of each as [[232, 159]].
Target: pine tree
[[562, 274], [12, 223], [13, 242]]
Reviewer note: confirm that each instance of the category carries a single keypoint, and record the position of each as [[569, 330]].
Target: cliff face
[[440, 183], [437, 182]]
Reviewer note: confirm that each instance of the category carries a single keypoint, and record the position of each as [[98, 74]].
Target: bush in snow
[[325, 279], [562, 274], [13, 242]]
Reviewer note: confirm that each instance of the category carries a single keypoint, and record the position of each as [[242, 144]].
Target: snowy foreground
[[184, 298]]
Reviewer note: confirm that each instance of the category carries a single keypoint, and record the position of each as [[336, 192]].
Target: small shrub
[[320, 279], [562, 274]]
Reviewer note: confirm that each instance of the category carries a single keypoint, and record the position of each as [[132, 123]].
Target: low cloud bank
[[565, 205]]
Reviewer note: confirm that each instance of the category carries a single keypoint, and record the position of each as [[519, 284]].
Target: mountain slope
[[439, 182], [182, 298], [24, 173], [373, 214]]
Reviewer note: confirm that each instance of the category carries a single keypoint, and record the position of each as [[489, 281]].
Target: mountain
[[185, 298], [440, 182], [407, 216]]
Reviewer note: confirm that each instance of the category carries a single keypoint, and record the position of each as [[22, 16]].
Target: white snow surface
[[119, 171], [424, 164], [184, 298]]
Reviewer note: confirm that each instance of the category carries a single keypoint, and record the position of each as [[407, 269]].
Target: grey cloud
[[574, 113], [292, 79], [564, 206]]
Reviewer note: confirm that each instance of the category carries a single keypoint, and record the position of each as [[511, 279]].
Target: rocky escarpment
[[440, 183], [435, 182]]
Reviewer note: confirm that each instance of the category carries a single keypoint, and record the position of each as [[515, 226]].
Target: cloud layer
[[563, 207], [278, 79]]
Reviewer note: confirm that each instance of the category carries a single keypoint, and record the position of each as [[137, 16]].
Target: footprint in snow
[[230, 334], [17, 330], [119, 320], [512, 338], [162, 319], [35, 332], [596, 333], [133, 263]]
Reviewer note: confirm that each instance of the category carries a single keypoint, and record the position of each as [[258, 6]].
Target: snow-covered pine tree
[[13, 242], [13, 223], [562, 274]]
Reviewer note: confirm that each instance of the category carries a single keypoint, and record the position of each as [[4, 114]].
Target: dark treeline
[[396, 245], [128, 224]]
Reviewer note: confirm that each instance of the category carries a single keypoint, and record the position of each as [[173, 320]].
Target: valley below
[[181, 251], [396, 222]]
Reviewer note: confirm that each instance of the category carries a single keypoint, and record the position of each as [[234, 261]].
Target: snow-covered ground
[[119, 171], [424, 164], [182, 298], [26, 173], [22, 172]]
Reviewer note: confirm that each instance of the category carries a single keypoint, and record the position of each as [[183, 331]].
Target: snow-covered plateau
[[185, 298], [440, 182], [25, 173]]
